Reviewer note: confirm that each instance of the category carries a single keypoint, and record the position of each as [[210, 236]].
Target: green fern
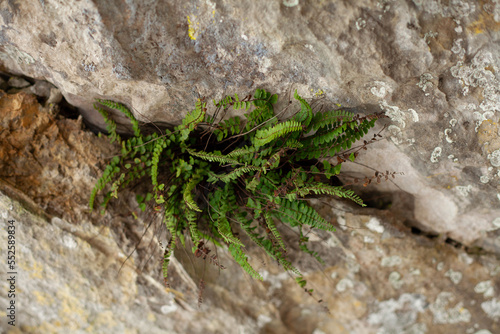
[[236, 175], [265, 136], [240, 257]]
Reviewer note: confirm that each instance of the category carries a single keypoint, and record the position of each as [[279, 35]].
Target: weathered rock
[[74, 274], [17, 82], [431, 66]]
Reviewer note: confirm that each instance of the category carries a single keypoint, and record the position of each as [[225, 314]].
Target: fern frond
[[305, 116], [241, 151], [160, 144], [329, 118], [120, 107], [110, 124], [325, 137], [225, 231], [233, 175], [272, 227], [264, 136], [213, 156], [109, 172], [299, 213], [228, 127], [191, 218], [188, 196], [259, 115], [324, 189], [166, 258], [192, 119], [318, 152], [240, 257]]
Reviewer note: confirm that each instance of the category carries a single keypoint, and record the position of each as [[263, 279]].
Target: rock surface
[[431, 66], [74, 273]]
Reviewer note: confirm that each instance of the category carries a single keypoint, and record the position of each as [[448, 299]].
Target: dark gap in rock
[[416, 231], [454, 243], [67, 110]]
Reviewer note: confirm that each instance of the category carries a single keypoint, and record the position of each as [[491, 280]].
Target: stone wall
[[431, 66]]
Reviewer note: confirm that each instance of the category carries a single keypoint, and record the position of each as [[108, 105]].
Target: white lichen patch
[[379, 92], [480, 73], [396, 115], [340, 220], [464, 190], [444, 315], [425, 83], [484, 179], [455, 276], [465, 258], [390, 261], [495, 223], [399, 316], [21, 57], [486, 288], [436, 154], [395, 280], [263, 319], [275, 280], [169, 308], [290, 3], [447, 133], [414, 114], [495, 158], [374, 225], [453, 122], [368, 240], [396, 134], [69, 242], [344, 284], [483, 331], [440, 266], [492, 308], [360, 23]]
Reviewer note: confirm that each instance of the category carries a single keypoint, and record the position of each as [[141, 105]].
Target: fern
[[213, 156], [240, 257], [191, 120], [305, 115], [265, 136], [188, 196], [124, 110], [324, 189], [234, 175], [331, 118], [300, 213]]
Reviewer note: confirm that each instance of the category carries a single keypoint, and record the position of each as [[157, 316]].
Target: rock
[[17, 82], [431, 67], [41, 88], [377, 276]]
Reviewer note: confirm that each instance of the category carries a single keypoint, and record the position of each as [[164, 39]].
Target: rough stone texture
[[74, 275], [432, 66]]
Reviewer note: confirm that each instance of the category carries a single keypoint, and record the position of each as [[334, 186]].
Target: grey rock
[[432, 67], [74, 274], [17, 82]]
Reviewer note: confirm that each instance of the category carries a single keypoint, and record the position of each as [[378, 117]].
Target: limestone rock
[[431, 66]]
